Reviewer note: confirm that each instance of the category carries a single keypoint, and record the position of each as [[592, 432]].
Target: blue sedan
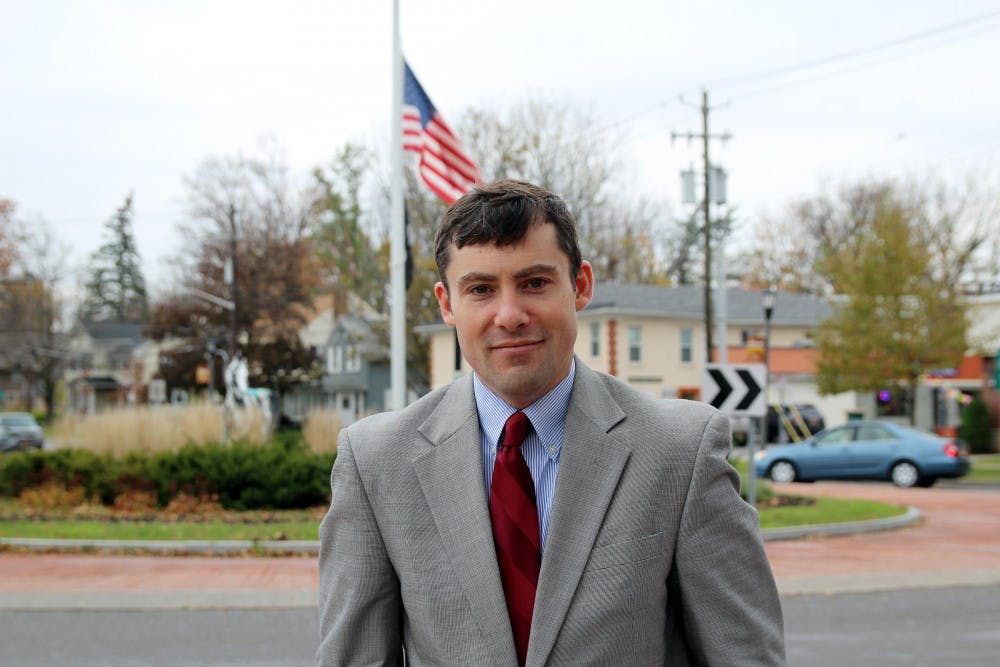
[[865, 450]]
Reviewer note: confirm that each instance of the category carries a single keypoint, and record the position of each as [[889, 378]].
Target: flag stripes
[[444, 165]]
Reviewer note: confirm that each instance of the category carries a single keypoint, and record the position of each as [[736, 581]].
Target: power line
[[858, 66], [854, 53], [826, 60]]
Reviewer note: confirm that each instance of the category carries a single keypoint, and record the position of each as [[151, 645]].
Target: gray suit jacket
[[651, 558]]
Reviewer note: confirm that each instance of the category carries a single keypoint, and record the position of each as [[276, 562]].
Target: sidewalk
[[956, 542]]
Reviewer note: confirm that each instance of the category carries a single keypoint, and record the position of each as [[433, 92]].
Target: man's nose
[[510, 313]]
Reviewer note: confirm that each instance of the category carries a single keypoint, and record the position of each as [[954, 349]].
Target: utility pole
[[705, 135]]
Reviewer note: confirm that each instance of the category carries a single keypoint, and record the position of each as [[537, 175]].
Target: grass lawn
[[985, 469], [824, 510], [89, 522], [304, 525], [90, 529], [827, 510]]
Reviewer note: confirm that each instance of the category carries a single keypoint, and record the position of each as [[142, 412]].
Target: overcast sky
[[103, 97]]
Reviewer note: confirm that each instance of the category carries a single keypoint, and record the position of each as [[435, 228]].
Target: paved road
[[912, 628], [929, 627]]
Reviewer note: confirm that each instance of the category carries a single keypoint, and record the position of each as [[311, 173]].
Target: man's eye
[[479, 290], [537, 283]]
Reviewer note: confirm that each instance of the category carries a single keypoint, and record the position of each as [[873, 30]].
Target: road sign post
[[739, 390]]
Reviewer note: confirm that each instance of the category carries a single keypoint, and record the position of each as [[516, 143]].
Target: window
[[892, 402], [687, 342], [874, 432], [595, 339], [337, 363], [836, 436], [634, 344], [353, 363]]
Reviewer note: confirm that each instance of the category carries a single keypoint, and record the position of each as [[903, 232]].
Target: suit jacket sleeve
[[359, 599], [730, 609]]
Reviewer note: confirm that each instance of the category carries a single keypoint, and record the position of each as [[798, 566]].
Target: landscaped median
[[52, 516]]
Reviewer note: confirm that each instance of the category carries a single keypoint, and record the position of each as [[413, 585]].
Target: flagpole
[[397, 247]]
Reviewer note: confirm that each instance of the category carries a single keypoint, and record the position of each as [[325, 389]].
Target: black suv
[[801, 421]]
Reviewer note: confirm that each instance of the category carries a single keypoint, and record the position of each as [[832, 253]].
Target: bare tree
[[245, 212]]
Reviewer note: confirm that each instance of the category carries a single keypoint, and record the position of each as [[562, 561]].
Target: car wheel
[[904, 474], [782, 472]]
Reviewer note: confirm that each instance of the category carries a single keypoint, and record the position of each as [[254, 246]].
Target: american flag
[[444, 166]]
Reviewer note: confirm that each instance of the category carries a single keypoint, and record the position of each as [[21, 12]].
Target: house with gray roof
[[110, 363]]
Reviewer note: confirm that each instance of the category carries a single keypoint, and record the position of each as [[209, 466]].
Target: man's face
[[514, 309]]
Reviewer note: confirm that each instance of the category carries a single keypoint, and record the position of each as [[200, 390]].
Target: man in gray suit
[[638, 551]]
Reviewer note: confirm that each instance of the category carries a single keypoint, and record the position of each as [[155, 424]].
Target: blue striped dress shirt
[[541, 447]]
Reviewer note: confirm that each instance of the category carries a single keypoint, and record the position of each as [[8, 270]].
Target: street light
[[767, 299]]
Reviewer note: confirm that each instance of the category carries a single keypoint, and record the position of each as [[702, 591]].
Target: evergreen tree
[[116, 289], [975, 428]]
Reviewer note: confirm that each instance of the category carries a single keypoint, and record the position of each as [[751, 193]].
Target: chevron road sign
[[737, 390]]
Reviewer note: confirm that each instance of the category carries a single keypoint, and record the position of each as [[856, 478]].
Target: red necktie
[[515, 529]]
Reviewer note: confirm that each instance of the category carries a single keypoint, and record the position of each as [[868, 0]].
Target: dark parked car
[[865, 450], [19, 431], [801, 421]]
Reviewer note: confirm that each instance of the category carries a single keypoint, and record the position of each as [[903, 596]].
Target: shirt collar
[[547, 414]]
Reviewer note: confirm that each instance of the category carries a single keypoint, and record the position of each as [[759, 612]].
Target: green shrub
[[975, 428], [280, 474]]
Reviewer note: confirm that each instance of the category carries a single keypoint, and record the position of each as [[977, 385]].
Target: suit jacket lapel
[[451, 476], [590, 466]]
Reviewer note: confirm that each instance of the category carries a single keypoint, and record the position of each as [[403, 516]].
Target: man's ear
[[444, 303], [584, 285]]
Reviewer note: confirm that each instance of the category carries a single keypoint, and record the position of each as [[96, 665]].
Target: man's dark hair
[[501, 214]]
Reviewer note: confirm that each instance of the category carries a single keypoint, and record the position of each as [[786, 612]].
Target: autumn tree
[[116, 289], [246, 213], [33, 342], [8, 236], [897, 313]]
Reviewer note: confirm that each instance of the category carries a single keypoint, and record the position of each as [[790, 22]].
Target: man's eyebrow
[[476, 277], [536, 269]]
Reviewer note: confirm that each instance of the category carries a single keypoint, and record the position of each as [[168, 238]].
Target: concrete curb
[[165, 546], [911, 517], [157, 600]]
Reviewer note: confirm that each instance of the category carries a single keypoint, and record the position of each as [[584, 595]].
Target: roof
[[742, 306]]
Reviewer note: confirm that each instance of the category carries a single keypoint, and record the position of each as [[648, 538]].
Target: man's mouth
[[515, 345]]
